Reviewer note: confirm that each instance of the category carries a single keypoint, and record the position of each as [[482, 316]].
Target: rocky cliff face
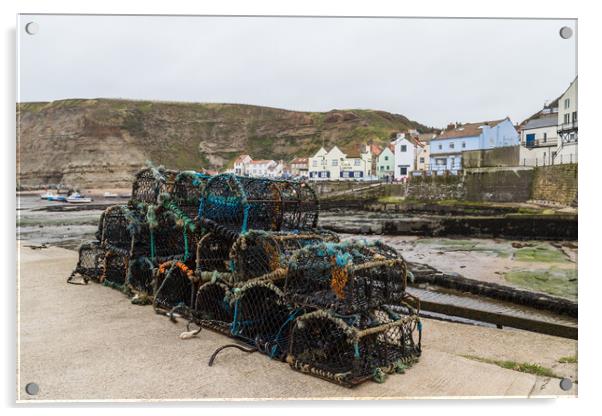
[[101, 142]]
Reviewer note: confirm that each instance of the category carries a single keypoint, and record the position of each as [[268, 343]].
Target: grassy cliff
[[101, 142]]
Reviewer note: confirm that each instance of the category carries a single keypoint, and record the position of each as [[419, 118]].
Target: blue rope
[[234, 327], [245, 220], [152, 244], [275, 347]]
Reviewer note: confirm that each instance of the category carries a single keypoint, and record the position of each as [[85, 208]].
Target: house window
[[567, 118], [567, 103], [403, 148], [388, 167], [451, 145], [357, 162], [315, 163], [440, 147], [403, 170], [574, 116], [463, 145], [323, 162], [421, 160], [382, 168], [386, 157], [545, 137], [335, 162]]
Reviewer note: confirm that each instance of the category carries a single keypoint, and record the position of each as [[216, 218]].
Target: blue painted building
[[446, 149]]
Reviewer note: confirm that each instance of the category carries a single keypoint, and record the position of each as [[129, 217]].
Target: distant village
[[548, 137]]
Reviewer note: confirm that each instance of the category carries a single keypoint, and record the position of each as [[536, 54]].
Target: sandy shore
[[91, 343]]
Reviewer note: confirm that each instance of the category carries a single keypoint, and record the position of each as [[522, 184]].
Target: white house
[[405, 155], [539, 138], [241, 165], [335, 164], [550, 136], [567, 125]]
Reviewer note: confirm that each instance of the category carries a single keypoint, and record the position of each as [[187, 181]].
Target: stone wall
[[509, 185], [435, 188], [556, 183], [498, 157]]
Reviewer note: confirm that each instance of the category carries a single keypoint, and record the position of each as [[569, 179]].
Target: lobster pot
[[300, 205], [242, 203], [213, 254], [212, 307], [348, 277], [262, 317], [140, 275], [165, 240], [151, 182], [115, 268], [349, 350], [258, 253], [174, 286], [187, 191], [91, 258], [116, 226]]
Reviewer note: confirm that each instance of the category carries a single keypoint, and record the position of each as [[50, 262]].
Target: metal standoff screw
[[32, 389], [566, 384]]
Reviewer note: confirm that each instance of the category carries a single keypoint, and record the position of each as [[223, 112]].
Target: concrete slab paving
[[90, 343]]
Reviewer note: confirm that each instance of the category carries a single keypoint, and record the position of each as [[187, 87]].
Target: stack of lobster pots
[[245, 257]]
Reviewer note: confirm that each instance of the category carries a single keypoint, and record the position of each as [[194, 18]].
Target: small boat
[[110, 195], [47, 195], [76, 198], [57, 198]]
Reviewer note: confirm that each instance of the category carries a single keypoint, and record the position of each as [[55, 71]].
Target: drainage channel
[[448, 304]]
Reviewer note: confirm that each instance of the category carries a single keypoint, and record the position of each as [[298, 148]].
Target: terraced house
[[446, 149], [353, 163]]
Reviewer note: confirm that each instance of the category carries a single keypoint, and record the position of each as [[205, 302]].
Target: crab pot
[[187, 190], [212, 254], [241, 204], [212, 307], [300, 205], [116, 228], [115, 268], [140, 275], [151, 182], [262, 317], [347, 277], [349, 350], [174, 286], [257, 253], [163, 240], [91, 258]]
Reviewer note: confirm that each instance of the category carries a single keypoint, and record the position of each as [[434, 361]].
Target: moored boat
[[76, 198]]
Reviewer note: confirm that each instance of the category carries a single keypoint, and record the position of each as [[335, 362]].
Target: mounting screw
[[32, 389], [566, 384], [566, 32], [32, 28]]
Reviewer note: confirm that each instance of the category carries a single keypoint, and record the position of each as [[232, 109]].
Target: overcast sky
[[431, 70]]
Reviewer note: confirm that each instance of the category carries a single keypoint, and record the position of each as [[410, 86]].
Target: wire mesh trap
[[346, 277], [243, 256], [241, 203], [258, 253], [350, 349], [151, 182], [89, 264], [174, 288]]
